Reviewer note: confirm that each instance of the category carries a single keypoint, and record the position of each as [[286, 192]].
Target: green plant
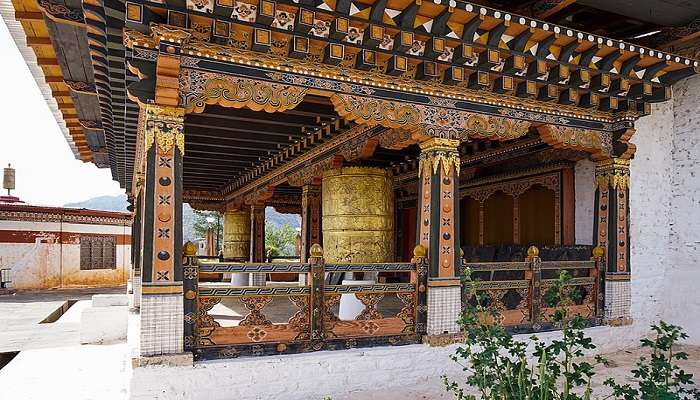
[[498, 364], [659, 377], [280, 241]]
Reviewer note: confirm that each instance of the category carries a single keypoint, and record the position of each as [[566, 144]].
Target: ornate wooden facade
[[235, 105]]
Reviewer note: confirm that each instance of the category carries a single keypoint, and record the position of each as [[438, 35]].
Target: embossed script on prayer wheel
[[237, 234], [358, 215]]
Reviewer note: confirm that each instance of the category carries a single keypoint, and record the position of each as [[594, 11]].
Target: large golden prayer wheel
[[358, 215], [237, 234]]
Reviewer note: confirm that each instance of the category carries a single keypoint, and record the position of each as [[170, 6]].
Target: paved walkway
[[21, 315]]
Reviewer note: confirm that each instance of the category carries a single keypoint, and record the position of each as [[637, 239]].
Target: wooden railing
[[518, 291], [224, 321]]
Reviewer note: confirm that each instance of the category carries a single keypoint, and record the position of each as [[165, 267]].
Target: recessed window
[[98, 252]]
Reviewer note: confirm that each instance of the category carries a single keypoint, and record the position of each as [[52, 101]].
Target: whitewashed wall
[[48, 263], [584, 179], [665, 212], [683, 274]]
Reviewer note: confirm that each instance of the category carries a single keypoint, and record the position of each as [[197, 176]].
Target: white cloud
[[47, 173]]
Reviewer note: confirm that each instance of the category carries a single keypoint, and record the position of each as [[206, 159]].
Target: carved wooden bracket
[[241, 92], [435, 121]]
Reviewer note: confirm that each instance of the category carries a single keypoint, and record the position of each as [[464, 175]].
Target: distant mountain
[[105, 203], [272, 217], [119, 203]]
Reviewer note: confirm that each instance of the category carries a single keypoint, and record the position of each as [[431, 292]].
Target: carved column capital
[[613, 173], [164, 126], [437, 152]]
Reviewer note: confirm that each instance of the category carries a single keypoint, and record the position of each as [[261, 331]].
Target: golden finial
[[190, 249], [316, 250], [533, 251], [419, 251], [598, 252]]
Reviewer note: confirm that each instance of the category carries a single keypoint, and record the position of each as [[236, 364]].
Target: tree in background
[[280, 241], [205, 220]]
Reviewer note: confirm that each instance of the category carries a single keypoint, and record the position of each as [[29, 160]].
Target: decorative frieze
[[241, 92]]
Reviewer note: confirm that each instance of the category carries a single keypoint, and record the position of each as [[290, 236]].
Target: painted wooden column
[[438, 231], [161, 298], [611, 232], [257, 241], [310, 219]]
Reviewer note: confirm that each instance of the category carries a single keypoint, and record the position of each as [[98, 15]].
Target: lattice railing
[[517, 291], [223, 320]]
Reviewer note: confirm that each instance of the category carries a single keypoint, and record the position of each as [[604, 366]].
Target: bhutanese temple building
[[417, 139]]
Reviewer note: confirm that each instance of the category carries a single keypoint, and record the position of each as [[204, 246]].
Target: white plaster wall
[[665, 212], [326, 373], [584, 180], [650, 203], [54, 264], [32, 265], [683, 270]]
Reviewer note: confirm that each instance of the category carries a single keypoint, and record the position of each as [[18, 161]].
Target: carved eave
[[33, 28], [492, 50]]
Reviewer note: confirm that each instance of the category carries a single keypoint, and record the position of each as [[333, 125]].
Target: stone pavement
[[21, 315]]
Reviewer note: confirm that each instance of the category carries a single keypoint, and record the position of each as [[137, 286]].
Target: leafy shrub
[[498, 363], [659, 377]]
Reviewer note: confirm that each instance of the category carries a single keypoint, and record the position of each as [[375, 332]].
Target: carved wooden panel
[[98, 252]]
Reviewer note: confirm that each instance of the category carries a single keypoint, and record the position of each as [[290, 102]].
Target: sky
[[47, 173]]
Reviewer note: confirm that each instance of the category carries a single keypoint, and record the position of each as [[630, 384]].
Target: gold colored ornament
[[496, 128], [533, 251], [241, 92], [419, 251], [164, 126], [598, 252], [436, 152], [613, 173], [316, 250], [376, 112], [189, 249]]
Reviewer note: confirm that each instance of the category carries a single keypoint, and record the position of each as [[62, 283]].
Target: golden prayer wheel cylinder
[[358, 215], [237, 234], [237, 242]]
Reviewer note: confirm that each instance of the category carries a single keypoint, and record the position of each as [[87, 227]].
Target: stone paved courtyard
[[21, 315]]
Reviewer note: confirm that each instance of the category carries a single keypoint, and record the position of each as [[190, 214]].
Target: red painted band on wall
[[13, 236]]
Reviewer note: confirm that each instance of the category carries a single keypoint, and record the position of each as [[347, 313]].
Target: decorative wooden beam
[[53, 79], [48, 61], [59, 13], [38, 41], [29, 15], [60, 93]]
